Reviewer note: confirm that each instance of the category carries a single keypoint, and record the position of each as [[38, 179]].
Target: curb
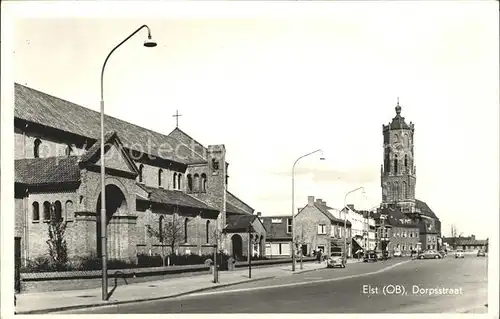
[[112, 303]]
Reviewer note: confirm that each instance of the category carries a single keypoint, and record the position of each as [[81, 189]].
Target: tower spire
[[398, 108]]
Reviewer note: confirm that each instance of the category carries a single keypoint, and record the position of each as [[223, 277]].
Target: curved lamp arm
[[114, 49], [293, 168]]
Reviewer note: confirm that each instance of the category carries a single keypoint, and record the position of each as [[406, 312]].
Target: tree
[[58, 249], [454, 236], [171, 232]]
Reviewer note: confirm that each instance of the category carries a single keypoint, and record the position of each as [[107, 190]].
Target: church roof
[[238, 224], [424, 209], [38, 107], [43, 171], [398, 122], [174, 197]]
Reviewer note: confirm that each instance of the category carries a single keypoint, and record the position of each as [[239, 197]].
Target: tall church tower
[[398, 176]]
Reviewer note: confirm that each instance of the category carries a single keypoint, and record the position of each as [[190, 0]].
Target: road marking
[[293, 284]]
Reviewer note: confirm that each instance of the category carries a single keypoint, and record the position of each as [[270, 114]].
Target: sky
[[274, 82]]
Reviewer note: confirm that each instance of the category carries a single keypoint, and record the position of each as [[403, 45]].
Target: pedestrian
[[319, 255]]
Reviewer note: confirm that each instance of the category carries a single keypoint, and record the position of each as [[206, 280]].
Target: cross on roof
[[176, 118]]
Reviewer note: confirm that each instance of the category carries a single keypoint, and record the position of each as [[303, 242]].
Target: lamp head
[[322, 157], [149, 43]]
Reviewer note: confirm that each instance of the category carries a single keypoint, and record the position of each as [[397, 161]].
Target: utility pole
[[249, 253], [301, 249], [216, 274]]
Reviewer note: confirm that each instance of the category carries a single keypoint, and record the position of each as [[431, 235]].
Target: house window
[[160, 228], [289, 225], [208, 231], [57, 211], [203, 182], [190, 182], [160, 176], [321, 229], [174, 182], [36, 148], [141, 168], [186, 230], [46, 211], [36, 212]]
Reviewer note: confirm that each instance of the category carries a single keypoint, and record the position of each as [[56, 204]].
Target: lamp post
[[149, 43], [368, 227], [293, 203], [345, 220]]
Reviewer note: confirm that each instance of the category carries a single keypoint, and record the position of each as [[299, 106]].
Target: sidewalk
[[33, 303]]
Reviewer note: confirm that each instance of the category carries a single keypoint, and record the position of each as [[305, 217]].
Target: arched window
[[57, 211], [160, 176], [36, 148], [196, 182], [174, 185], [68, 150], [404, 191], [396, 164], [396, 191], [190, 183], [141, 168], [179, 181], [186, 230], [208, 231], [160, 228], [406, 162], [36, 212], [46, 211], [203, 182], [69, 209]]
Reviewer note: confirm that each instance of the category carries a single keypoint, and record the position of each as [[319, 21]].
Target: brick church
[[151, 178], [398, 180]]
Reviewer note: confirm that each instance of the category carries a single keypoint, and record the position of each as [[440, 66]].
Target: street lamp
[[345, 220], [149, 43], [293, 202], [368, 227]]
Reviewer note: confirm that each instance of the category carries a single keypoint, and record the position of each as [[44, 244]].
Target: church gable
[[115, 157]]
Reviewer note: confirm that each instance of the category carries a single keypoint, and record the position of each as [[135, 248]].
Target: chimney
[[310, 200], [323, 202], [319, 201], [473, 237], [259, 214], [351, 206]]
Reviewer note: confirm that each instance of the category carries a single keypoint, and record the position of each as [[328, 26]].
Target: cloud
[[322, 175]]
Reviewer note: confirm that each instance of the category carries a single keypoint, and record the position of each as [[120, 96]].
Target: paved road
[[318, 292]]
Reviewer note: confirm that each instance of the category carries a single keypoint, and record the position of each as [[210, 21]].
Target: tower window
[[36, 148], [196, 182], [203, 182], [406, 162], [179, 181], [141, 168], [160, 176], [396, 165], [174, 185]]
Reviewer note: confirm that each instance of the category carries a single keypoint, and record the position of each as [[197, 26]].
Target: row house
[[363, 228], [279, 236]]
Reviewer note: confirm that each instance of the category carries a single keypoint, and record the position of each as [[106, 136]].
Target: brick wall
[[406, 238], [307, 221], [24, 146]]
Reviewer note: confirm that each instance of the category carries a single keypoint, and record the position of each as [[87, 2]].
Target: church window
[[404, 191], [396, 165], [203, 182], [190, 182], [69, 210], [396, 191], [36, 149], [186, 230], [36, 212], [160, 176], [406, 162], [196, 182], [160, 228], [46, 211], [141, 168], [57, 211], [174, 185], [406, 140], [208, 231], [68, 150], [179, 180]]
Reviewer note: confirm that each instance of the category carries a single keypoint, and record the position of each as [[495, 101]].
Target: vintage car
[[370, 256], [429, 254], [481, 253], [459, 254], [397, 253], [335, 260]]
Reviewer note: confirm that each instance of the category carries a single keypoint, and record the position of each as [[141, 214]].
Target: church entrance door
[[237, 243], [117, 234]]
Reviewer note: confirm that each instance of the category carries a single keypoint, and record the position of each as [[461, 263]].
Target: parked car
[[481, 253], [397, 253], [335, 260], [429, 254], [443, 253], [459, 254], [370, 256]]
